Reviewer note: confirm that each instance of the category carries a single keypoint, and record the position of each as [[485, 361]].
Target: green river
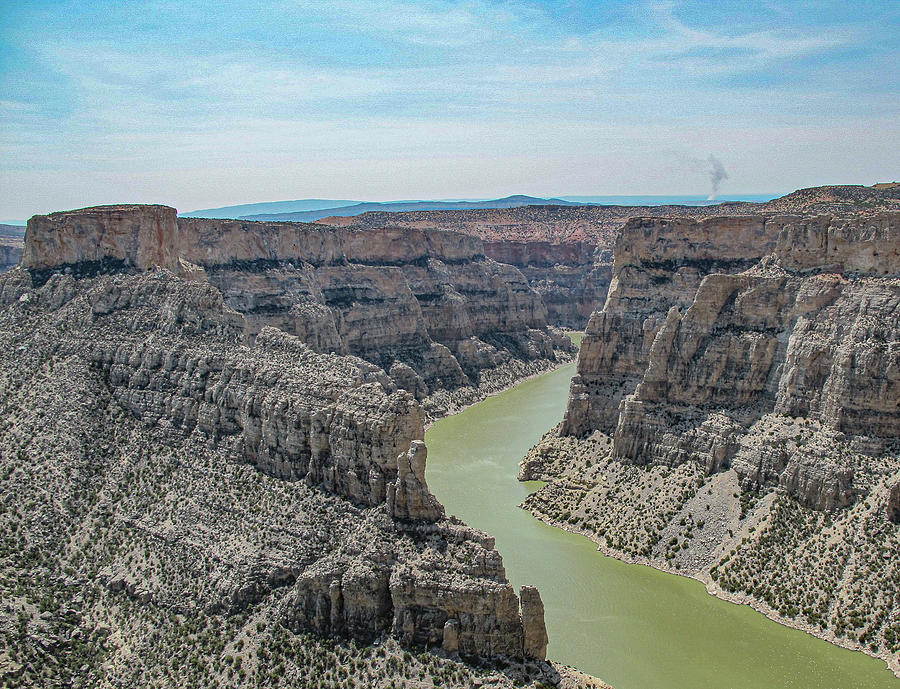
[[633, 626]]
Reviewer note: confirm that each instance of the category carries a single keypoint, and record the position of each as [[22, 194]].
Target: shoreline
[[570, 677], [892, 662], [480, 395]]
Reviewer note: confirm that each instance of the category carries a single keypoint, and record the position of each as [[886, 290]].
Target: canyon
[[735, 414], [443, 321], [228, 464], [213, 456], [566, 252]]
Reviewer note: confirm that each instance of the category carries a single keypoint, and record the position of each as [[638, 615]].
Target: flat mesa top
[[116, 207]]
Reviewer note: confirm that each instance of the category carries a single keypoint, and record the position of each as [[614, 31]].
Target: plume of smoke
[[716, 174]]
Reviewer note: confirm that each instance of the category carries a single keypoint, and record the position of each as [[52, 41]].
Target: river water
[[630, 625]]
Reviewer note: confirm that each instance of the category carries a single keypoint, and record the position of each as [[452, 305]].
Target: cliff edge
[[735, 416], [187, 489], [446, 323]]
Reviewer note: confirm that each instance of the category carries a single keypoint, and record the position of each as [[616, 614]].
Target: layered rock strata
[[572, 278], [744, 377], [428, 307], [201, 472], [713, 327], [566, 252]]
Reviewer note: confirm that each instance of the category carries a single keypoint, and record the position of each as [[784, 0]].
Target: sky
[[198, 105]]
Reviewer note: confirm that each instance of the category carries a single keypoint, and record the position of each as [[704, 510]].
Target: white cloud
[[501, 101]]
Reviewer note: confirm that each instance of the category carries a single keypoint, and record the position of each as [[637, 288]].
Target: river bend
[[633, 626]]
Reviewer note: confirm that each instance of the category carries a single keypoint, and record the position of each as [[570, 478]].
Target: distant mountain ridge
[[401, 206], [310, 210], [296, 206]]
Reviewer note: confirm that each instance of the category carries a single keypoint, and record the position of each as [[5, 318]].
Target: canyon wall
[[571, 278], [121, 327], [735, 416], [427, 306], [716, 334], [566, 251]]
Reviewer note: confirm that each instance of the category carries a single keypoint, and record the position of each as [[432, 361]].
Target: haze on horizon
[[173, 102]]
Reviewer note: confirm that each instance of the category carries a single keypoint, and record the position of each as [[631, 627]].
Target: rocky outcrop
[[659, 265], [714, 333], [161, 397], [426, 304], [139, 236], [735, 417], [429, 599], [866, 245], [533, 622], [331, 421], [408, 497], [892, 511]]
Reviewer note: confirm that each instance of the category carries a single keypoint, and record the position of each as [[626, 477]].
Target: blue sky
[[198, 104]]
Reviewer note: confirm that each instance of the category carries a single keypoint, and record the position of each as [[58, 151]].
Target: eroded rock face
[[160, 406], [863, 244], [173, 320], [129, 235], [428, 300], [659, 266], [566, 251], [571, 277], [718, 336], [533, 621], [408, 498], [893, 504]]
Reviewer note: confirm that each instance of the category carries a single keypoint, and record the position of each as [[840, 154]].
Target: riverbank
[[636, 627], [445, 403], [893, 662], [576, 471]]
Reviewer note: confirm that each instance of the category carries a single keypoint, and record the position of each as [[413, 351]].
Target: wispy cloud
[[438, 24], [432, 80]]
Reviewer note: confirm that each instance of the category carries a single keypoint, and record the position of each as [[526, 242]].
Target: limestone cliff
[[714, 330], [571, 277], [169, 352], [196, 471], [736, 414], [566, 252], [426, 306], [136, 235]]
